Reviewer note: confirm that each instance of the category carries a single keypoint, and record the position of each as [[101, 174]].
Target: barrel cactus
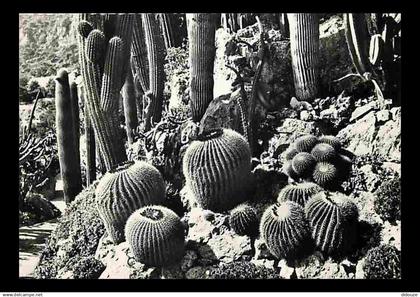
[[217, 169], [333, 218], [305, 143], [299, 193], [326, 175], [244, 220], [125, 189], [286, 231], [290, 153], [303, 164], [323, 152], [331, 140], [289, 171], [155, 235]]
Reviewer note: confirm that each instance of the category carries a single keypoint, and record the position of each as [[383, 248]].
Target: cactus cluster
[[155, 235], [217, 169], [333, 218], [125, 189], [286, 230], [317, 159], [244, 220]]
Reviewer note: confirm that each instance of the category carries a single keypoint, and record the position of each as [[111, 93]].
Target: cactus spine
[[155, 235], [154, 43], [68, 152], [285, 230], [125, 189], [304, 46], [201, 36], [217, 169], [333, 218], [356, 32], [130, 107]]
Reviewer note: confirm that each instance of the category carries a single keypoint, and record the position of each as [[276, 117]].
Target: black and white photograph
[[210, 146]]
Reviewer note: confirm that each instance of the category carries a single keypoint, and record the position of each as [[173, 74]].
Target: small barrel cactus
[[289, 171], [323, 152], [305, 143], [290, 153], [244, 220], [286, 231], [303, 164], [299, 193], [333, 218], [383, 262], [326, 175], [155, 235], [125, 189], [217, 169], [331, 140]]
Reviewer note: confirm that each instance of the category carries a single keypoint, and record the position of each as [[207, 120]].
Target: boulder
[[365, 204], [42, 207]]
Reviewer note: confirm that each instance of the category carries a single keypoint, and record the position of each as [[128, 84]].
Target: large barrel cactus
[[285, 230], [202, 49], [299, 193], [333, 218], [155, 235], [125, 189], [68, 149], [217, 169], [304, 46]]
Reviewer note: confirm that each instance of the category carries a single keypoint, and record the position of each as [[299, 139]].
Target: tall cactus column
[[68, 152], [304, 45], [202, 49], [130, 107]]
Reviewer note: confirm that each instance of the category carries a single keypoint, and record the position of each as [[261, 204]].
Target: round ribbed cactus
[[155, 235], [299, 193], [125, 189], [333, 218], [303, 164], [244, 220], [323, 152], [305, 143], [290, 153], [217, 169], [325, 174], [331, 140], [289, 171], [285, 230]]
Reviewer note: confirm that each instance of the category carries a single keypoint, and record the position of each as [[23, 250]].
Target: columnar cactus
[[217, 169], [299, 193], [166, 28], [139, 54], [102, 65], [90, 148], [155, 235], [125, 189], [285, 230], [130, 107], [68, 151], [304, 46], [356, 31], [76, 117], [333, 218], [243, 220], [202, 49], [156, 56]]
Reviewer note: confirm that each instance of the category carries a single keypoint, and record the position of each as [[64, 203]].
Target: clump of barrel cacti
[[383, 262], [201, 36], [244, 220], [155, 235], [333, 218], [217, 169], [317, 159], [286, 231], [125, 189], [304, 47], [299, 193], [68, 149]]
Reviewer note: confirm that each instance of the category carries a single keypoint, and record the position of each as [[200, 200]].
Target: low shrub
[[388, 200], [242, 270], [383, 262]]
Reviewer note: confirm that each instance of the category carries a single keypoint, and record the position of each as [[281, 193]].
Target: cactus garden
[[210, 146]]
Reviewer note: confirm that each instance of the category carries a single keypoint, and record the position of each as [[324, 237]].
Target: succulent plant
[[125, 189], [333, 218], [323, 152], [388, 200], [305, 143], [130, 107], [217, 169], [376, 48], [290, 153], [68, 151], [331, 140], [325, 174], [243, 220], [155, 235], [303, 164], [285, 230], [304, 47], [299, 193], [383, 262], [289, 171]]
